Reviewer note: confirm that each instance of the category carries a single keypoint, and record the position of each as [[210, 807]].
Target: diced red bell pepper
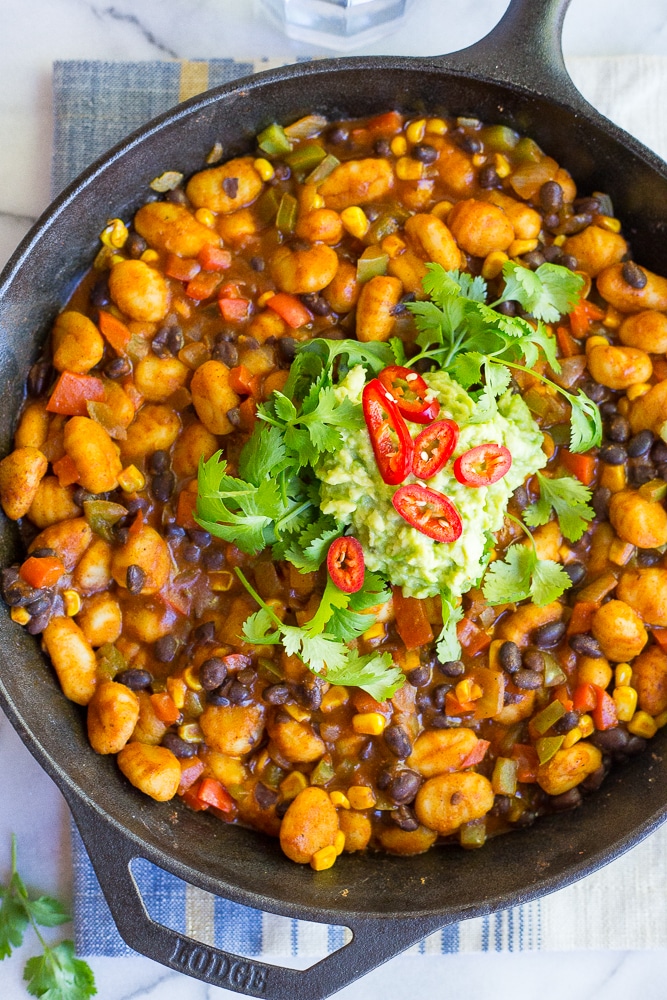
[[203, 286], [248, 412], [191, 798], [241, 381], [581, 466], [44, 572], [191, 770], [584, 698], [187, 504], [214, 258], [472, 637], [388, 123], [581, 317], [364, 702], [212, 793], [605, 715], [114, 331], [66, 471], [660, 636], [165, 709], [290, 309], [455, 707], [582, 617], [137, 524], [567, 345], [182, 268], [412, 623], [477, 754], [72, 392], [563, 696], [526, 757], [234, 310]]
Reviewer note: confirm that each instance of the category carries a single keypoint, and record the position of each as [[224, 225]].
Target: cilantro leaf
[[521, 575], [48, 912], [13, 917], [548, 581], [309, 550], [441, 284], [448, 646], [585, 422], [257, 629], [547, 293], [332, 599], [568, 498], [400, 357], [58, 975], [374, 673], [496, 380], [264, 455]]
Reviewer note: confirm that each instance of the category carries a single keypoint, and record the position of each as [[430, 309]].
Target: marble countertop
[[34, 33]]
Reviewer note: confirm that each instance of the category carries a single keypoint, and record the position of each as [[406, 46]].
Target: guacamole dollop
[[354, 493]]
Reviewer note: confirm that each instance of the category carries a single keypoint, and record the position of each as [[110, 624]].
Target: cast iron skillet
[[515, 76]]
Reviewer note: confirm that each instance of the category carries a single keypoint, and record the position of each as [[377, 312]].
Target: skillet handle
[[111, 852], [525, 50]]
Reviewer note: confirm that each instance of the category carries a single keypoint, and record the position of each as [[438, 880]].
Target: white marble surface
[[32, 34]]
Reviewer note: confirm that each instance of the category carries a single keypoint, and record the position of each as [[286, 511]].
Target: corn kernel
[[339, 842], [72, 602], [571, 738], [277, 607], [408, 169], [608, 222], [220, 582], [623, 406], [263, 299], [586, 726], [636, 391], [361, 797], [374, 632], [399, 145], [493, 264], [661, 720], [264, 168], [548, 444], [131, 479], [625, 699], [116, 258], [468, 690], [622, 674], [502, 165], [206, 217], [191, 733], [369, 723], [436, 126], [596, 341], [293, 784], [177, 689], [334, 698], [114, 234], [559, 240], [613, 477], [411, 659], [323, 859], [612, 318], [621, 552], [479, 159], [20, 616], [415, 130], [150, 256], [519, 247], [355, 222], [442, 209], [297, 713], [393, 245], [317, 201], [642, 724], [191, 679], [340, 800]]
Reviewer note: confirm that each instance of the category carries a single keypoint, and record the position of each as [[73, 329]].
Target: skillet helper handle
[[111, 853], [524, 49]]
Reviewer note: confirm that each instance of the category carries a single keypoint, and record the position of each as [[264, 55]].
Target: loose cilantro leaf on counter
[[547, 293], [568, 498], [56, 974]]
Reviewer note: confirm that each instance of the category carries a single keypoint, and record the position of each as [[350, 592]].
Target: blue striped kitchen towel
[[623, 906]]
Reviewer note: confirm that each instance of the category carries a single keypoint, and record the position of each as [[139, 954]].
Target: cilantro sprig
[[56, 974], [472, 341], [322, 642], [569, 499], [522, 574]]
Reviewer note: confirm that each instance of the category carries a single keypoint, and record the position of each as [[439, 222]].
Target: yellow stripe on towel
[[194, 79]]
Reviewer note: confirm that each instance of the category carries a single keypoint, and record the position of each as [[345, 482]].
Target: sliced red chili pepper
[[408, 390], [389, 435], [345, 562], [483, 465], [433, 447], [430, 512]]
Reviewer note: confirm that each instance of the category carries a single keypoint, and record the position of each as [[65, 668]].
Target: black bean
[[309, 696], [428, 154], [39, 606], [177, 196], [18, 594], [316, 303], [507, 308], [213, 560], [199, 536], [419, 677], [619, 429], [135, 679], [174, 532], [648, 557], [159, 461], [247, 675], [135, 578], [533, 259], [38, 623], [502, 805], [135, 245], [213, 673], [180, 748], [442, 721], [586, 205], [404, 787], [552, 222], [527, 818], [159, 344], [162, 486], [600, 502], [43, 553], [585, 645], [218, 697], [384, 779], [598, 393], [576, 572], [488, 177], [175, 339], [509, 656], [452, 668], [367, 750], [282, 808], [338, 135], [265, 796], [165, 648], [282, 172], [469, 144], [659, 452], [509, 698], [611, 741], [287, 349], [234, 416], [230, 186], [257, 264], [533, 659], [398, 741], [520, 497], [613, 454], [551, 196], [635, 745], [99, 293], [575, 223], [191, 553], [226, 352], [567, 800], [39, 378], [640, 444], [566, 723], [118, 368], [592, 782], [570, 262], [404, 818], [439, 694], [276, 694], [121, 534], [527, 680], [633, 275], [239, 694], [642, 472], [381, 147], [552, 254], [608, 409], [549, 635], [423, 699]]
